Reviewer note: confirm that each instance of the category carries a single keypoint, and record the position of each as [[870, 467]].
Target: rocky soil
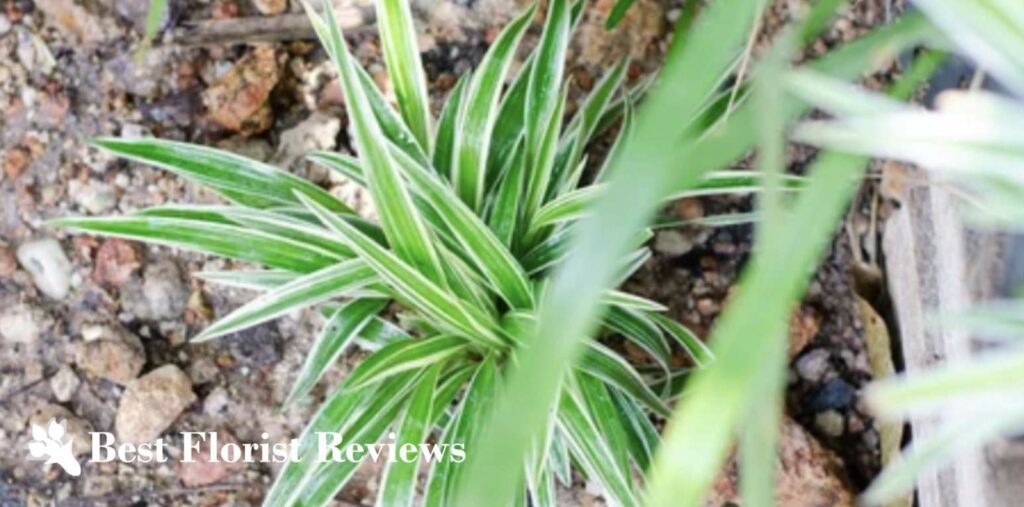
[[95, 330]]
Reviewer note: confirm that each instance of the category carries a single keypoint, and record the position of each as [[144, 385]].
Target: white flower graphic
[[51, 444]]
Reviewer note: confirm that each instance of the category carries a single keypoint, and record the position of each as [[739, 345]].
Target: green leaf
[[479, 398], [641, 434], [345, 165], [402, 224], [479, 113], [412, 286], [398, 40], [335, 335], [541, 174], [399, 481], [232, 241], [600, 408], [618, 12], [239, 179], [543, 92], [308, 290], [630, 301], [592, 450], [478, 243], [444, 150], [600, 362], [261, 280], [372, 424], [596, 104], [339, 413], [567, 207], [636, 327], [700, 353], [505, 212], [403, 356]]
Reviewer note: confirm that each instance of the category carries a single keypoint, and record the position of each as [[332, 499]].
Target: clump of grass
[[475, 209]]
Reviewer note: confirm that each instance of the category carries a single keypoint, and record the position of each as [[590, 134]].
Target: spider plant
[[475, 208]]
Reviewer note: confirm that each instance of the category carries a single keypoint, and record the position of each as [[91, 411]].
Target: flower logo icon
[[51, 444]]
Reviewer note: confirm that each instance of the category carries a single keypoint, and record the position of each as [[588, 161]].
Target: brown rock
[[151, 403], [202, 471], [15, 161], [110, 353], [238, 101], [270, 7], [8, 262], [808, 475], [116, 260], [803, 327]]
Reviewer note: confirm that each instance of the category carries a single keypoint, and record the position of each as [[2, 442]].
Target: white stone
[[50, 269], [64, 384], [20, 324]]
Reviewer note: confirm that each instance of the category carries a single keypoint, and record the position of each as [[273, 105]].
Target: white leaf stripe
[[545, 75], [479, 397], [374, 418], [600, 362], [419, 292], [230, 241], [404, 356], [339, 330], [398, 38], [444, 148], [540, 176], [399, 481], [596, 104], [504, 214], [597, 403], [591, 449], [330, 282], [314, 238], [615, 297], [250, 280], [636, 327], [479, 112], [478, 242], [694, 347], [402, 225], [250, 182]]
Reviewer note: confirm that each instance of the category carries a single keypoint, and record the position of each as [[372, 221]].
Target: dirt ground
[[109, 311]]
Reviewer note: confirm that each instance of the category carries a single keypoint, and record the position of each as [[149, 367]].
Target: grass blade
[[600, 362]]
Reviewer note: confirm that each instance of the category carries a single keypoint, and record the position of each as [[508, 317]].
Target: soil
[[67, 78]]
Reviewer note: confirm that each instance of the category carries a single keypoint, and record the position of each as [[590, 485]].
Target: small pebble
[[813, 365], [50, 269], [22, 324], [672, 242], [836, 394], [830, 422], [64, 384]]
